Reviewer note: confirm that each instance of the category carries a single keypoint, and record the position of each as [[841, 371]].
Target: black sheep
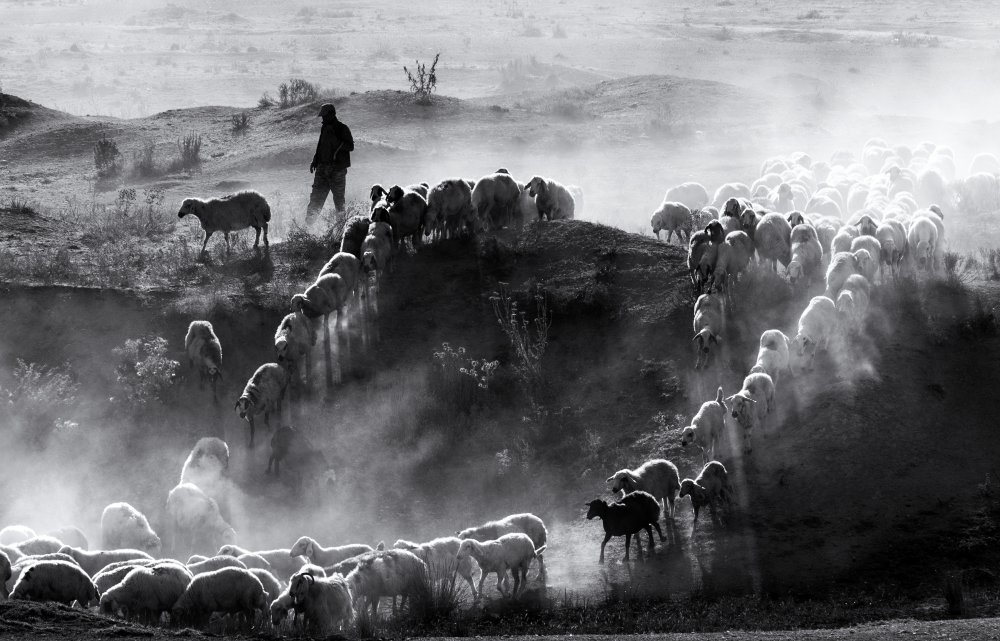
[[635, 512]]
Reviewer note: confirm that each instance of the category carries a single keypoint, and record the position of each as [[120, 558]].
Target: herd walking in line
[[851, 224]]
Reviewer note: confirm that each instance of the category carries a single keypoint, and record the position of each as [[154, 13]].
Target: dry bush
[[107, 158], [296, 92], [266, 101], [144, 372], [39, 398], [144, 160], [241, 123], [424, 82], [189, 151], [528, 336]]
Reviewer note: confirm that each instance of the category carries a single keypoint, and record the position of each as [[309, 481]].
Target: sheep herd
[[849, 224]]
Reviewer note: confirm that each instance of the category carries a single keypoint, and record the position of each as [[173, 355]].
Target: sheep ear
[[718, 395]]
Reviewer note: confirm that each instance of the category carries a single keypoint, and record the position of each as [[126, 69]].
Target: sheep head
[[732, 208], [377, 192], [191, 206], [299, 587], [623, 481], [794, 271], [536, 186], [369, 262], [741, 405], [596, 508], [687, 485], [748, 219], [863, 260], [704, 339], [244, 407], [380, 214], [395, 193], [687, 436], [716, 233], [867, 226], [795, 218]]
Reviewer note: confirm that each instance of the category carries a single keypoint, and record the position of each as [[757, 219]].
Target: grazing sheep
[[293, 343], [272, 586], [283, 563], [817, 325], [691, 194], [806, 255], [58, 581], [406, 215], [194, 520], [510, 551], [26, 562], [390, 573], [842, 265], [525, 523], [123, 526], [752, 405], [229, 213], [40, 544], [772, 356], [319, 555], [215, 563], [72, 536], [707, 427], [14, 534], [229, 590], [441, 557], [355, 230], [552, 199], [449, 208], [772, 239], [659, 477], [204, 351], [263, 394], [113, 574], [94, 561], [711, 487], [921, 242], [147, 592], [672, 217], [326, 601], [495, 200], [709, 324], [636, 511]]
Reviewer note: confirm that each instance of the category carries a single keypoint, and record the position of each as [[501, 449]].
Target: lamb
[[552, 199], [148, 592], [123, 526], [658, 477], [194, 520], [204, 351], [672, 217], [525, 523], [817, 325], [712, 486], [316, 553], [229, 213], [326, 602], [40, 544], [921, 241], [355, 230], [441, 557], [752, 405], [229, 590], [772, 239], [772, 357], [389, 573], [215, 563], [293, 343], [93, 562], [406, 214], [691, 194], [635, 512], [283, 562], [806, 254], [495, 200], [512, 552], [263, 394], [14, 534], [842, 265], [709, 324], [72, 536], [58, 581], [449, 207], [707, 427]]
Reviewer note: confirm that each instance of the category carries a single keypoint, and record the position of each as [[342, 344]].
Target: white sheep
[[194, 520], [40, 544], [853, 300], [94, 561], [752, 405], [672, 217], [264, 394], [308, 547], [207, 466], [773, 354], [215, 563], [842, 265], [874, 249], [272, 586], [204, 352], [441, 557], [113, 574], [866, 263], [772, 239], [711, 487], [58, 581], [331, 294], [658, 477], [123, 526], [283, 562], [390, 573], [921, 242], [512, 552], [552, 199], [293, 343], [691, 194], [326, 601], [709, 324], [495, 201], [449, 208], [13, 534], [525, 523], [806, 255], [147, 591], [228, 214], [229, 590], [707, 427], [892, 239], [817, 326], [26, 562]]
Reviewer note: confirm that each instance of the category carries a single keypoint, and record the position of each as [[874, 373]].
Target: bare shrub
[[241, 123], [40, 398], [189, 150], [144, 372], [144, 160], [459, 380], [107, 158], [19, 206], [424, 82], [266, 101], [528, 336], [296, 92]]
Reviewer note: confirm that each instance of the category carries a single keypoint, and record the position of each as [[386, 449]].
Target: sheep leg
[[670, 235], [208, 235], [226, 234], [256, 242], [628, 546], [479, 591], [656, 524], [607, 537], [266, 243], [250, 421], [541, 567]]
